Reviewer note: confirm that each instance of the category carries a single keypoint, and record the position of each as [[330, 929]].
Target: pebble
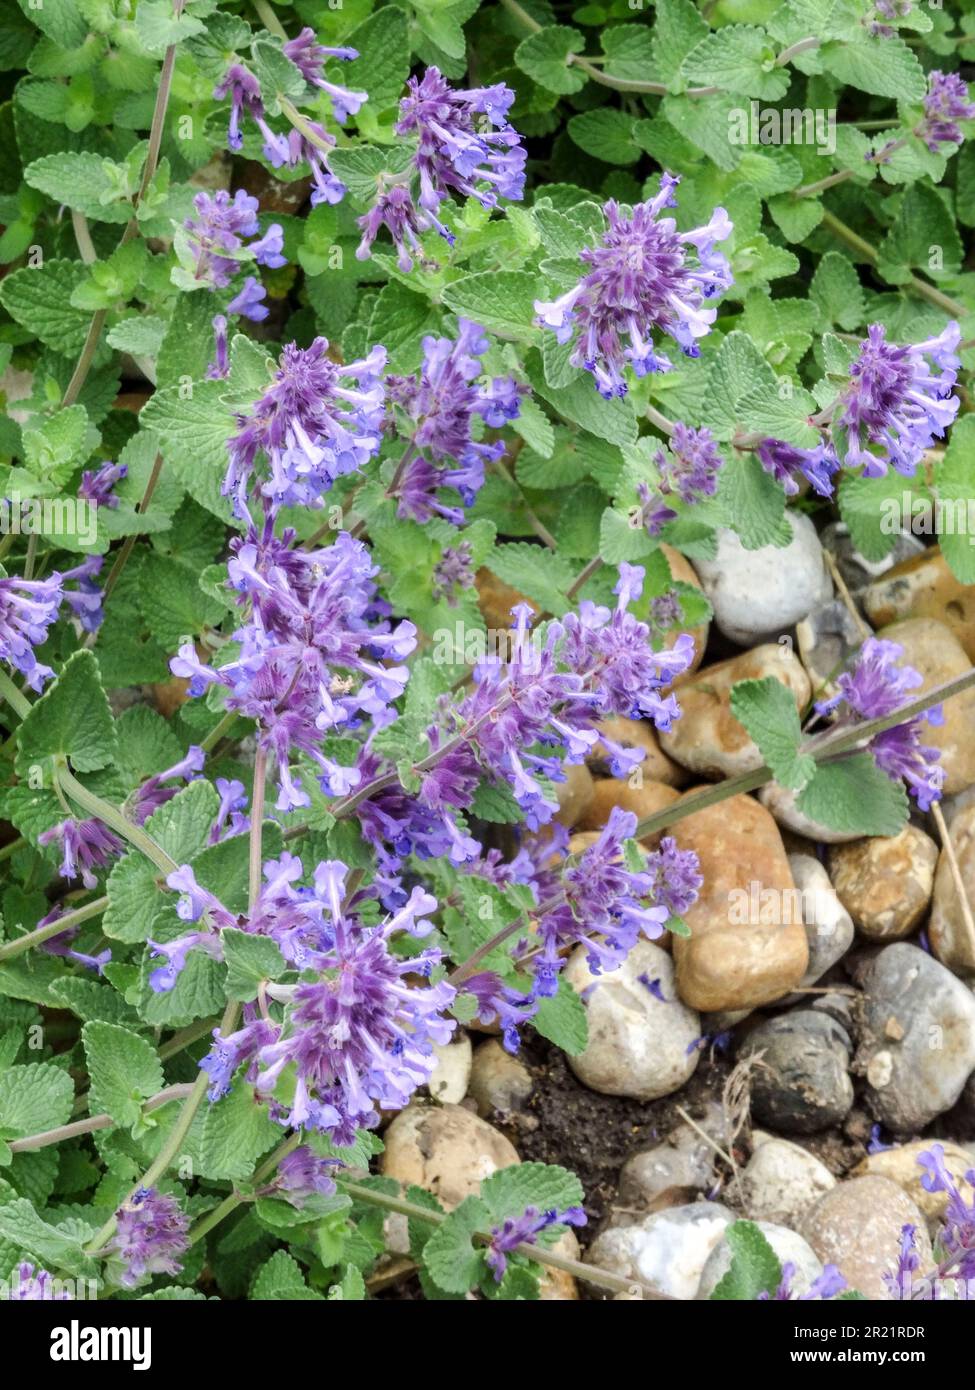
[[496, 599], [758, 594], [886, 883], [917, 1044], [683, 572], [788, 1245], [829, 927], [500, 1083], [643, 800], [638, 1046], [676, 1171], [803, 1083], [857, 1226], [901, 1166], [732, 959], [951, 939], [636, 733], [667, 1249], [781, 1180], [449, 1080], [707, 738], [855, 569], [446, 1149], [923, 586], [828, 639], [781, 801], [574, 795], [933, 649], [556, 1285]]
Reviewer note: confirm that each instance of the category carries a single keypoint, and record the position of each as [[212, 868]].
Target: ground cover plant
[[402, 400]]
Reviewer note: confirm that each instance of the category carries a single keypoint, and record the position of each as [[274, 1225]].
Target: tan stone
[[932, 649], [642, 801], [574, 795], [707, 738], [901, 1166], [446, 1149], [724, 964], [683, 572], [556, 1285], [924, 587], [857, 1226], [637, 733], [885, 884], [951, 939]]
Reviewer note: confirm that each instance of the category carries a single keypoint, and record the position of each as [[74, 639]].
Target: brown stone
[[931, 648], [885, 884], [683, 572], [951, 939], [575, 794], [496, 599], [642, 801], [901, 1166], [857, 1226], [446, 1149], [924, 587], [725, 964], [637, 733], [707, 738]]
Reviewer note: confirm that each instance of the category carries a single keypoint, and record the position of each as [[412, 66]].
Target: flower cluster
[[895, 402], [151, 1233], [310, 657], [317, 421], [787, 463], [885, 10], [97, 484], [464, 144], [525, 1230], [216, 237], [640, 279], [945, 104], [876, 687], [308, 56], [441, 403], [302, 1174], [688, 470], [85, 845]]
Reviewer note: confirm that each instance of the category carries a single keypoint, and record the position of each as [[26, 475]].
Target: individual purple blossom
[[825, 1286], [308, 56], [244, 91], [875, 1144], [220, 366], [248, 302], [28, 608], [302, 1174], [318, 420], [230, 819], [640, 279], [151, 1233], [453, 571], [945, 103], [228, 1054], [688, 469], [97, 484], [896, 405], [153, 793], [218, 235], [395, 210], [876, 687], [885, 10], [61, 944], [525, 1230], [86, 845], [787, 463], [85, 601], [900, 1281], [665, 613], [33, 1285]]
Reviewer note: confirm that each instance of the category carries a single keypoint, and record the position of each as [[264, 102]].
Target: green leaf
[[363, 167], [52, 1248], [142, 335], [195, 425], [581, 403], [236, 1132], [40, 300], [923, 237], [158, 27], [738, 370], [767, 708], [545, 58], [383, 64], [500, 300], [853, 794], [280, 1278], [34, 1098], [545, 1186], [124, 1071], [536, 572], [59, 444], [449, 1256], [738, 58], [82, 180], [606, 134], [677, 31], [781, 417], [754, 502], [873, 509], [175, 608], [884, 68], [563, 1020], [250, 959], [72, 719], [755, 1267], [953, 489], [837, 292], [60, 20]]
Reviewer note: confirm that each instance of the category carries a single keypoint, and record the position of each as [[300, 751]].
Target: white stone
[[450, 1077], [781, 1180], [667, 1249], [790, 1248]]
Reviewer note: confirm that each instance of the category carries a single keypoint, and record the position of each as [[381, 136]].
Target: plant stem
[[234, 1199], [269, 19], [10, 849], [128, 544], [592, 1274], [584, 575], [257, 825], [93, 1122], [918, 286], [218, 731], [112, 816], [14, 697], [39, 935], [538, 526]]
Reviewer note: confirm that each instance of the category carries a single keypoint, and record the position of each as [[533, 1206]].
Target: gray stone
[[781, 1180], [790, 1248], [758, 594], [667, 1249], [858, 572], [803, 1083], [829, 927], [828, 640], [676, 1171], [449, 1079], [500, 1083], [917, 1045]]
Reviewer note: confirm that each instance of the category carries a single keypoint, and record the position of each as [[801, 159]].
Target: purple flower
[[235, 1050], [151, 1233], [888, 9], [457, 149], [525, 1230], [248, 302], [308, 55], [28, 607], [640, 279], [895, 403], [96, 484], [317, 421], [220, 365], [497, 1002], [153, 793], [60, 945], [875, 1145], [230, 819], [957, 1237], [876, 687], [85, 602], [945, 103], [787, 463], [33, 1285], [302, 1174], [244, 91], [454, 571], [691, 469], [217, 236], [85, 845], [395, 210], [825, 1286]]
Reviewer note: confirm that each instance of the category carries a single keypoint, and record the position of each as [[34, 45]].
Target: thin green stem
[[234, 1199], [128, 544], [39, 935], [918, 286], [87, 1126], [226, 723], [269, 19], [15, 698], [113, 817], [11, 849]]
